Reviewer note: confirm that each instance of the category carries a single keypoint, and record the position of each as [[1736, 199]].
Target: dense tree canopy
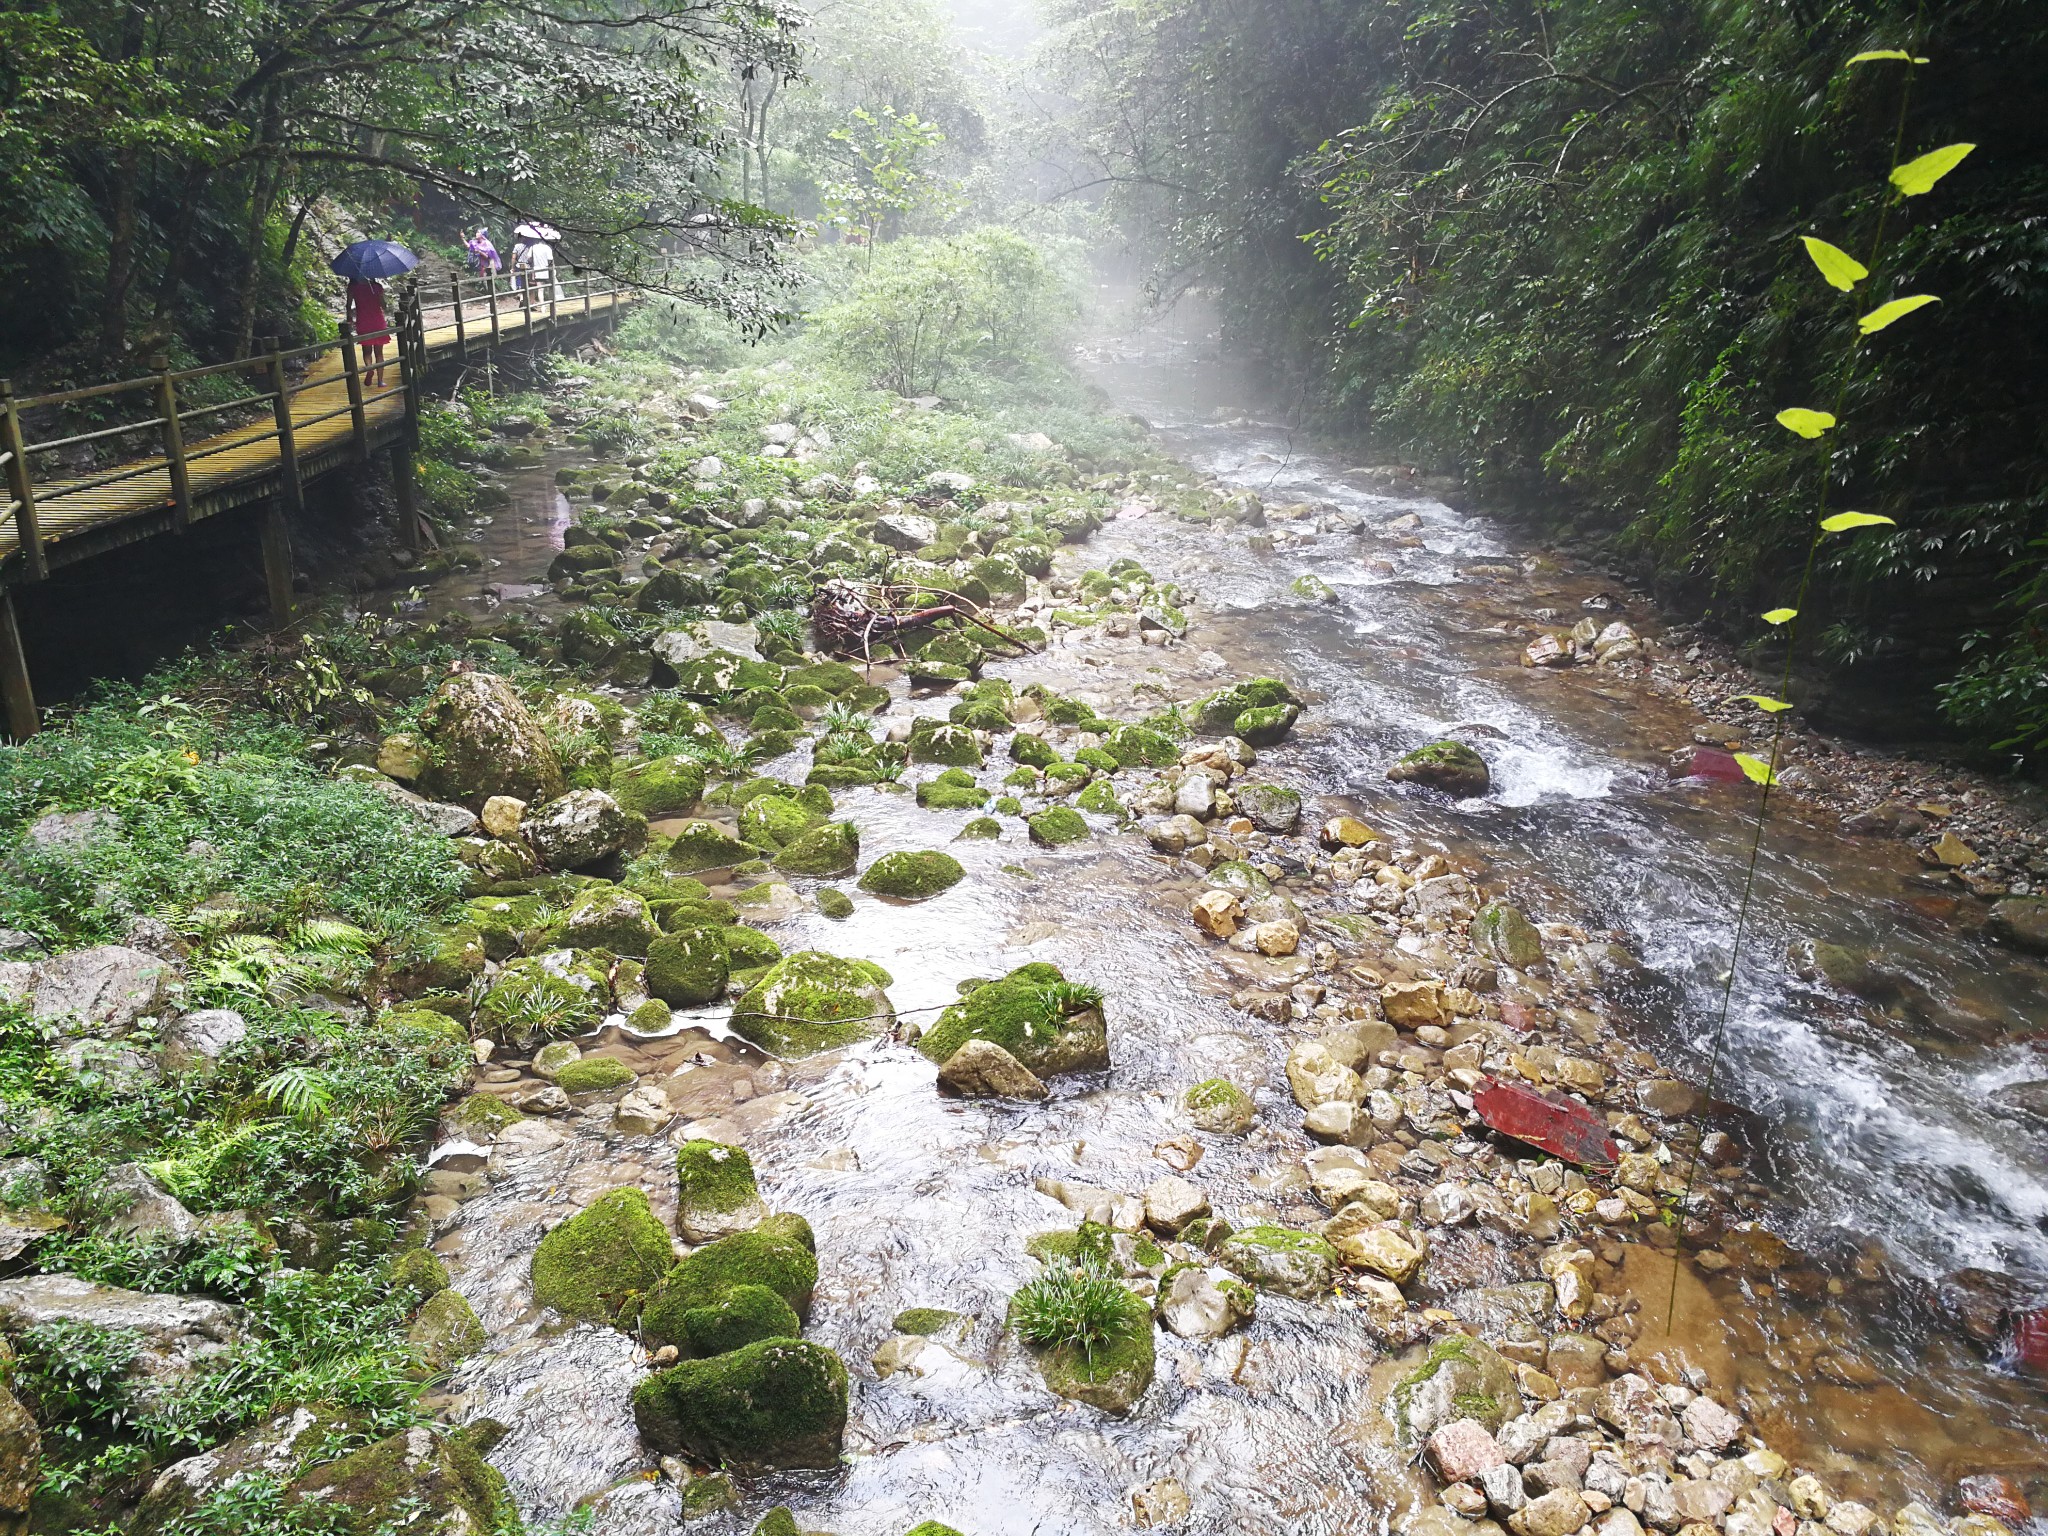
[[161, 157], [1553, 246]]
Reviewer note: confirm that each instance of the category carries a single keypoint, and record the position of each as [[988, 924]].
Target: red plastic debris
[[2030, 1341], [1549, 1122], [1707, 763]]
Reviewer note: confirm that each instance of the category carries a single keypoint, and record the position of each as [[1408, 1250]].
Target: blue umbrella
[[374, 260]]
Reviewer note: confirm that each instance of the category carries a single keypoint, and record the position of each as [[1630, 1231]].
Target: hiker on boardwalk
[[372, 330], [483, 252]]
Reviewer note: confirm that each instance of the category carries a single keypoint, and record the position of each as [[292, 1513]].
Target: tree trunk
[[120, 253]]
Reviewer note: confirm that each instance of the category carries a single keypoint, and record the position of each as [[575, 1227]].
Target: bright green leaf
[[1842, 270], [1758, 770], [1808, 424], [1897, 309], [1842, 522], [1781, 615], [1876, 54], [1764, 702], [1918, 176]]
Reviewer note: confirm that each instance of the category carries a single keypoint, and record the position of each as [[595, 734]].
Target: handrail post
[[174, 444], [526, 306], [287, 438], [461, 330], [491, 287], [588, 280], [21, 486], [23, 718], [352, 372], [412, 363]]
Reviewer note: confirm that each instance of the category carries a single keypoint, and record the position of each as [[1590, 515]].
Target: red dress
[[366, 303]]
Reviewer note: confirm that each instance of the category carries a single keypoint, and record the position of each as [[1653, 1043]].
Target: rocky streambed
[[1046, 1086]]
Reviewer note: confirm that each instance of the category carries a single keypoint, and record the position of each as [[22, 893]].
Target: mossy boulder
[[834, 677], [1235, 875], [701, 845], [1282, 1260], [579, 828], [1032, 751], [424, 1481], [1134, 746], [1056, 826], [1035, 1015], [1450, 766], [442, 959], [602, 1262], [824, 851], [1220, 1106], [1096, 760], [1272, 809], [773, 821], [749, 949], [779, 1254], [980, 830], [833, 902], [1064, 778], [1458, 1377], [1503, 933], [444, 1330], [418, 1270], [481, 1116], [716, 1195], [482, 740], [811, 1001], [1219, 711], [940, 741], [1267, 725], [605, 916], [1115, 1374], [594, 1074], [912, 876], [953, 790], [560, 992], [777, 1404], [744, 1315], [659, 788], [1099, 799], [688, 968]]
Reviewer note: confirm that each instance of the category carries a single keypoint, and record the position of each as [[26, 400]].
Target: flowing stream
[[1872, 1125]]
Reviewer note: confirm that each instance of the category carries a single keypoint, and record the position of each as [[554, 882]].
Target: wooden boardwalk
[[322, 413]]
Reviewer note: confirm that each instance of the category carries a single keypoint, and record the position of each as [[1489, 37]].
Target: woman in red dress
[[372, 329]]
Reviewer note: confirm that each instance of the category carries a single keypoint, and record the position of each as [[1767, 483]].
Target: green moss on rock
[[1115, 1373], [1134, 746], [1219, 711], [811, 1001], [420, 1271], [659, 788], [912, 876], [1266, 726], [601, 1262], [779, 1254], [609, 917], [953, 790], [774, 821], [833, 902], [939, 741], [744, 1315], [702, 845], [594, 1074], [780, 1403], [1099, 799], [823, 852], [444, 1330], [981, 829], [1057, 826], [1035, 1015], [714, 1177], [1032, 751], [1450, 766], [688, 968]]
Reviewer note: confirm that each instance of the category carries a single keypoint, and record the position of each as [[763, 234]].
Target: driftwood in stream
[[849, 617]]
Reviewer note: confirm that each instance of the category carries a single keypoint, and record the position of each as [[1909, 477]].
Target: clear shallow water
[[1874, 1132]]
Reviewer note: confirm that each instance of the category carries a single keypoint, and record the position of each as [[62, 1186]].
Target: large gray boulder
[[176, 1335], [143, 1209], [485, 741], [576, 829], [194, 1042], [103, 990]]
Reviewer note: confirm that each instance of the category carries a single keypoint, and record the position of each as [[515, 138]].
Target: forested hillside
[[1553, 247]]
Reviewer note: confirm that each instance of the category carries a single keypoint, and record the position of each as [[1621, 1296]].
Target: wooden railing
[[478, 311]]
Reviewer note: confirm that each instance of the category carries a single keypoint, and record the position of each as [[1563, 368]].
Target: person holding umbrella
[[366, 264]]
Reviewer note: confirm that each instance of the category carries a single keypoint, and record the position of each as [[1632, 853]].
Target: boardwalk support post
[[276, 537], [21, 486], [22, 718], [406, 492], [290, 484], [174, 444], [352, 369], [461, 329]]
